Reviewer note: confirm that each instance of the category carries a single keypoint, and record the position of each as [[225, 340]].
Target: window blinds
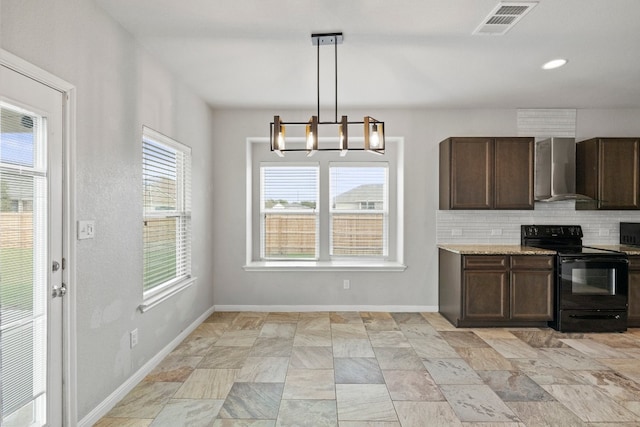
[[23, 260], [359, 210], [166, 174], [289, 212]]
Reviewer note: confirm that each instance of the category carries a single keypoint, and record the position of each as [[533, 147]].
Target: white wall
[[119, 89]]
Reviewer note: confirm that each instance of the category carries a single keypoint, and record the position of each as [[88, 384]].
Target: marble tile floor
[[352, 369]]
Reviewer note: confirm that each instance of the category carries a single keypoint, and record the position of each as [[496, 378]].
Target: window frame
[[257, 153], [182, 212]]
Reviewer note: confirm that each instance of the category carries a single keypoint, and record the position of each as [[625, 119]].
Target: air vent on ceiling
[[503, 17]]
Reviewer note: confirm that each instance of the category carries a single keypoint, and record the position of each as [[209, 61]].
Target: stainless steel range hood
[[555, 172]]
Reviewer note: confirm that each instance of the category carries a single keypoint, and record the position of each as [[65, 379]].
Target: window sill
[[323, 266], [160, 297]]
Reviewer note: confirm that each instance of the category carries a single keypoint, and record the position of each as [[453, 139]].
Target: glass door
[[593, 283], [30, 252]]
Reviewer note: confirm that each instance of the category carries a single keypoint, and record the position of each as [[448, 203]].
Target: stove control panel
[[567, 231]]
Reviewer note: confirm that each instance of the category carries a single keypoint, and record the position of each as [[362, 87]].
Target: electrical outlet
[[496, 232], [133, 335], [456, 231], [603, 231], [346, 284]]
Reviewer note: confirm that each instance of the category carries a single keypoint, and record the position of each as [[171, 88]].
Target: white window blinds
[[359, 210], [23, 261], [166, 175], [289, 212]]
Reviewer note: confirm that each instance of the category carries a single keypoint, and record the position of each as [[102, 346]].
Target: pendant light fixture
[[373, 130]]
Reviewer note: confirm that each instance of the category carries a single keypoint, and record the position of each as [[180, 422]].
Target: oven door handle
[[608, 260]]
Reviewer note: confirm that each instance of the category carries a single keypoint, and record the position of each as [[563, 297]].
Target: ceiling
[[396, 53]]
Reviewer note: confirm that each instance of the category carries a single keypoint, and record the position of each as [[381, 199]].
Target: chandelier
[[373, 129]]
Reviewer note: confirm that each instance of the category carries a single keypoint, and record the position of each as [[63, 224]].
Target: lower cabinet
[[496, 290], [633, 320]]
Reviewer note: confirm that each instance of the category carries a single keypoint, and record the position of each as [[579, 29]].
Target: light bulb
[[310, 140], [375, 137], [280, 141]]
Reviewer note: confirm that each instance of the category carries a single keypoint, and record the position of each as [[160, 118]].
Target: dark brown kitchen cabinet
[[495, 290], [633, 320], [486, 173], [486, 288], [531, 288], [608, 171]]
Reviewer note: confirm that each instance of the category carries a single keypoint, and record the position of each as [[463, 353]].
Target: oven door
[[593, 283]]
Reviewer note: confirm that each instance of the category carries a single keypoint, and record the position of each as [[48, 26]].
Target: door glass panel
[[593, 281], [23, 267]]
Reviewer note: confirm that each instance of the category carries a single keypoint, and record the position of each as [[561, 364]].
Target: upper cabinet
[[486, 173], [608, 171]]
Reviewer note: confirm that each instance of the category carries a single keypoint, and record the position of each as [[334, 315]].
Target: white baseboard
[[106, 405], [303, 308]]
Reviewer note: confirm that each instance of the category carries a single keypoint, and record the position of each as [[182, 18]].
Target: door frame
[[69, 348]]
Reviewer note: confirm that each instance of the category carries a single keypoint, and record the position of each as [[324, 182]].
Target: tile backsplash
[[503, 227]]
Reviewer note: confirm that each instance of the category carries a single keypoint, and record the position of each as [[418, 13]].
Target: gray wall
[[416, 286], [119, 88], [422, 130]]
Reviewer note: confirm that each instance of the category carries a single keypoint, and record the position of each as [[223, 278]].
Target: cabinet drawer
[[634, 263], [485, 262], [532, 262]]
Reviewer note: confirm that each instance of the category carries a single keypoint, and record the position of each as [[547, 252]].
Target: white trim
[[307, 308], [323, 266], [69, 346], [118, 394], [156, 136], [165, 294]]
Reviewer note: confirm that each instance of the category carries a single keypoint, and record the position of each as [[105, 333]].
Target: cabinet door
[[587, 173], [485, 295], [471, 173], [514, 165], [532, 295], [618, 173]]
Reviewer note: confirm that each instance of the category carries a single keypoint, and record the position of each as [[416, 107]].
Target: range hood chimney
[[555, 172]]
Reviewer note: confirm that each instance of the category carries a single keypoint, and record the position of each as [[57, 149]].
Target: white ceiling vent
[[503, 17]]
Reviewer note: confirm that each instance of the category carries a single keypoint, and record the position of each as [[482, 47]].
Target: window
[[166, 176], [359, 209], [289, 212], [324, 212]]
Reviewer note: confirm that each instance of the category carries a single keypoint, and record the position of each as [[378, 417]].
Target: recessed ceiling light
[[555, 63]]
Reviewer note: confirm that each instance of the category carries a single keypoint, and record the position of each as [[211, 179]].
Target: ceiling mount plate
[[326, 38]]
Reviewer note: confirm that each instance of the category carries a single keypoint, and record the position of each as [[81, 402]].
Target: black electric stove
[[591, 284]]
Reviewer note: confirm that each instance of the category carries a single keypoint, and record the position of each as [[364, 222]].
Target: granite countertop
[[495, 249], [629, 250]]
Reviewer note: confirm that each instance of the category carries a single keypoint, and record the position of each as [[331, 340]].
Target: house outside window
[[359, 214], [166, 173]]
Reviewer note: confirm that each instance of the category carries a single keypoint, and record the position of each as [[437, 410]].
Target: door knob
[[59, 291]]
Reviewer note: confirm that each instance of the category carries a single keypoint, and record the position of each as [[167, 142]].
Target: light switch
[[86, 229]]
